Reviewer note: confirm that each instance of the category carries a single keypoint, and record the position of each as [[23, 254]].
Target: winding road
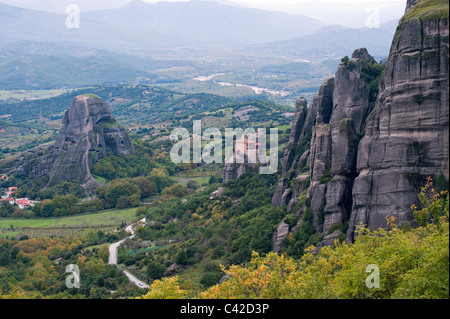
[[113, 259]]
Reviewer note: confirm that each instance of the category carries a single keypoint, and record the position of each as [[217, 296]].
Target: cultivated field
[[76, 225]]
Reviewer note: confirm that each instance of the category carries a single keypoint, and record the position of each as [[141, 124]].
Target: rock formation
[[279, 236], [88, 134], [292, 154], [363, 148], [407, 133], [239, 163]]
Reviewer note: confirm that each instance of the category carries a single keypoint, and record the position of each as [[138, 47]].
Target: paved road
[[113, 261]]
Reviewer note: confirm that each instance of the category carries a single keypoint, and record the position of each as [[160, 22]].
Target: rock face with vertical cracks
[[88, 134], [406, 136], [376, 132], [352, 104]]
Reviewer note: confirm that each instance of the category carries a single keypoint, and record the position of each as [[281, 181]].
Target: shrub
[[177, 190]]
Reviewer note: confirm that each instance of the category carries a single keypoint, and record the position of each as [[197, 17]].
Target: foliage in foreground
[[413, 263], [36, 269], [166, 288]]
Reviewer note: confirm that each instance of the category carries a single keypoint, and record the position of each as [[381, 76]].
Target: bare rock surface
[[88, 134], [370, 150]]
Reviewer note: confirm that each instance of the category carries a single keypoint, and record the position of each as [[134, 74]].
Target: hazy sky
[[350, 13], [299, 1], [35, 3], [329, 1]]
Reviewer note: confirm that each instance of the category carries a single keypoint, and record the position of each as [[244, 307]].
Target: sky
[[281, 2], [327, 1], [34, 3], [350, 13]]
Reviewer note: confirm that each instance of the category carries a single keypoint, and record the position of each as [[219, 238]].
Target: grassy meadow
[[77, 225]]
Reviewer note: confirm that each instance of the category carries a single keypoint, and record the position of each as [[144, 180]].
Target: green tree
[[177, 190], [103, 253], [6, 209], [47, 208], [63, 203], [146, 186], [155, 270], [117, 189], [160, 177], [212, 180], [412, 263], [128, 201], [167, 288], [434, 205]]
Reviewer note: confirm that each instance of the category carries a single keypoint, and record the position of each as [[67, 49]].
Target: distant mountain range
[[352, 15], [141, 26], [334, 41], [59, 6], [38, 51], [19, 24], [43, 65]]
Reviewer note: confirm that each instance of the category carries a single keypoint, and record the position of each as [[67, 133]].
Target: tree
[[177, 190], [167, 288], [212, 180], [264, 277], [435, 205], [160, 178], [141, 211], [91, 205], [47, 208], [412, 263], [155, 270], [103, 253], [4, 256], [128, 201], [117, 189], [6, 209], [146, 186], [210, 278], [63, 203]]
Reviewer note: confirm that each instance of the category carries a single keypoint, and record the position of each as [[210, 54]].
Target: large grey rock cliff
[[295, 173], [371, 146], [406, 136], [88, 134], [292, 153]]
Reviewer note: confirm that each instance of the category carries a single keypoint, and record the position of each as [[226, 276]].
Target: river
[[256, 89]]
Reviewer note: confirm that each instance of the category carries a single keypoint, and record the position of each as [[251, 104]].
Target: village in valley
[[22, 203]]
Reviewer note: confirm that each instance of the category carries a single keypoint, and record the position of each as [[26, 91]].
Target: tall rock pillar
[[406, 138]]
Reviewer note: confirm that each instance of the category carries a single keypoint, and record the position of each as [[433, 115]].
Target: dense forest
[[412, 262]]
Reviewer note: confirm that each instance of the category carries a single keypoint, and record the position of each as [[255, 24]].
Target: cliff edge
[[373, 134]]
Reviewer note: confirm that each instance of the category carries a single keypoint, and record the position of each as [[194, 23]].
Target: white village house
[[22, 203]]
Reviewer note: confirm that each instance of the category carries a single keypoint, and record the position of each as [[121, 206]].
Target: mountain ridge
[[335, 41], [138, 26], [205, 22]]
